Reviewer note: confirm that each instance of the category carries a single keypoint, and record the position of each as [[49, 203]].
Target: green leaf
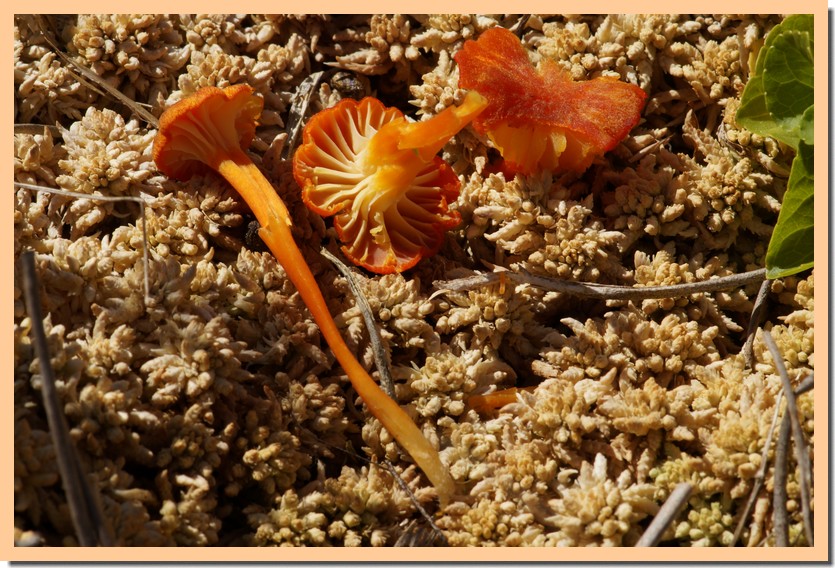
[[798, 22], [792, 245], [753, 112], [778, 102], [788, 82], [781, 88], [807, 126]]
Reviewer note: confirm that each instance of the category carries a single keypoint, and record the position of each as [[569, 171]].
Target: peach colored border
[[818, 553]]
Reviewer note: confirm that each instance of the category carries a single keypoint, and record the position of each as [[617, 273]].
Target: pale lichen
[[46, 90], [662, 270], [135, 53], [36, 158], [438, 88], [638, 347], [595, 510], [380, 47], [443, 32], [351, 509], [494, 317], [213, 413], [534, 225], [104, 155]]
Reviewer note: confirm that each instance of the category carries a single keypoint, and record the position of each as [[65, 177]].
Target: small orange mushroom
[[212, 128], [543, 119], [379, 175]]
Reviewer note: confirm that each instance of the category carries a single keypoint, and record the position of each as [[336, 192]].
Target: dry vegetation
[[214, 414]]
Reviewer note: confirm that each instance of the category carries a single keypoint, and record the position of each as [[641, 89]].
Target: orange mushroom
[[379, 175], [541, 119], [212, 128], [487, 403]]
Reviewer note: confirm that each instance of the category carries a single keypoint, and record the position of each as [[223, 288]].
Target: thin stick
[[666, 515], [638, 156], [298, 110], [381, 359], [604, 291], [36, 129], [805, 385], [389, 467], [380, 353], [86, 515], [780, 495], [759, 479], [146, 263], [800, 452], [439, 535], [754, 324]]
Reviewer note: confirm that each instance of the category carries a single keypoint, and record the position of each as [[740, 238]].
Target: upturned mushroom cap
[[204, 129], [541, 119], [379, 175]]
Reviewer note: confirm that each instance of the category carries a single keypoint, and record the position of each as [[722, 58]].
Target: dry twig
[[780, 496], [759, 479], [437, 535], [380, 354], [89, 75], [85, 509], [800, 452], [36, 129], [298, 110], [603, 291], [666, 515], [754, 324]]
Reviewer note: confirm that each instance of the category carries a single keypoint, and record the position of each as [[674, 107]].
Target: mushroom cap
[[542, 118], [205, 128], [390, 204]]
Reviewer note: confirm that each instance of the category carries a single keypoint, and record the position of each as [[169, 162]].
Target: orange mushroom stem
[[212, 128], [379, 175], [541, 119]]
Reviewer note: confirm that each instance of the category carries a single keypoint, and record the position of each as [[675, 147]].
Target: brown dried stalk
[[759, 478], [299, 108], [85, 508], [89, 75], [666, 515], [780, 496], [754, 323], [800, 452], [381, 357], [603, 291]]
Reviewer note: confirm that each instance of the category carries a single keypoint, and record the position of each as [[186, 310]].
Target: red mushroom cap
[[543, 119]]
